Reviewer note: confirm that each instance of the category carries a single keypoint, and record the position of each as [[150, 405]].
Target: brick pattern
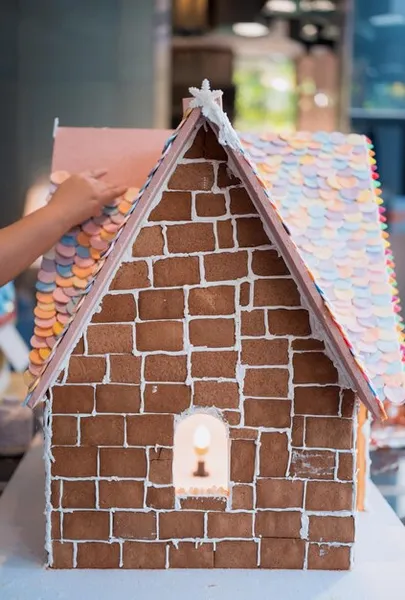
[[204, 297]]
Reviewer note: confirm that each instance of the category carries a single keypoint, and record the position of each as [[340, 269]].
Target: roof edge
[[146, 194]]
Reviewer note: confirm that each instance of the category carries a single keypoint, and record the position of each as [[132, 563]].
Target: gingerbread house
[[209, 348]]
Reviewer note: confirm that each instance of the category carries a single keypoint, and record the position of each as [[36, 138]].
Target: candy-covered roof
[[316, 197], [326, 189]]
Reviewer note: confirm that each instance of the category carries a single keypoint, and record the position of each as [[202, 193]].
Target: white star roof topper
[[206, 99]]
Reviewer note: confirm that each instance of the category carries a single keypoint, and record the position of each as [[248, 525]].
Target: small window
[[201, 456]]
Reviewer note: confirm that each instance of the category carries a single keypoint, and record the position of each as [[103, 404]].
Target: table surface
[[379, 572]]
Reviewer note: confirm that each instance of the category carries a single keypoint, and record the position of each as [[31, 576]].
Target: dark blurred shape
[[190, 17], [226, 12], [193, 64]]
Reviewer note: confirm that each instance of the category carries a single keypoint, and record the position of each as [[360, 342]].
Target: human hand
[[83, 196]]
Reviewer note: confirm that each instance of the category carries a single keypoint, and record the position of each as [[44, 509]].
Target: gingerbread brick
[[282, 553], [312, 464], [329, 496], [121, 494], [98, 555], [307, 344], [279, 493], [297, 432], [131, 276], [241, 203], [348, 403], [214, 364], [177, 271], [275, 292], [102, 430], [204, 503], [191, 237], [79, 494], [314, 367], [86, 369], [244, 293], [289, 322], [345, 466], [210, 205], [243, 433], [268, 263], [195, 176], [329, 432], [225, 234], [64, 431], [125, 368], [214, 300], [115, 398], [149, 242], [225, 176], [222, 394], [122, 462], [315, 400], [155, 305], [62, 555], [163, 367], [329, 558], [274, 454], [265, 352], [252, 323], [55, 493], [160, 497], [116, 309], [166, 398], [103, 339], [270, 383], [144, 555], [86, 525], [226, 266], [161, 466], [250, 232], [74, 462], [243, 457], [212, 333], [179, 524], [331, 529], [242, 497], [236, 555], [278, 524], [232, 417], [56, 531], [229, 525], [149, 430], [135, 525], [186, 555], [79, 348], [267, 413], [173, 206], [159, 335]]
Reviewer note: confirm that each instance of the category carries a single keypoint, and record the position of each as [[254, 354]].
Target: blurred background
[[282, 64]]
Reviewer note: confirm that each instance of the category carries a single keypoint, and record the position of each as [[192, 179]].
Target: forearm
[[24, 241]]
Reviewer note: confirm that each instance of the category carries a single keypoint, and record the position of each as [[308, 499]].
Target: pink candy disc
[[60, 296], [66, 251], [91, 228], [37, 342]]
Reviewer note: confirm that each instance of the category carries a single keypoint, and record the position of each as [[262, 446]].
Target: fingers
[[96, 173], [111, 193]]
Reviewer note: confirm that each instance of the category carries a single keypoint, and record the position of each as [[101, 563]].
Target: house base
[[378, 571]]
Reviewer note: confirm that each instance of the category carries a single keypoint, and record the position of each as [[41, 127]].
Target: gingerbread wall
[[202, 312]]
